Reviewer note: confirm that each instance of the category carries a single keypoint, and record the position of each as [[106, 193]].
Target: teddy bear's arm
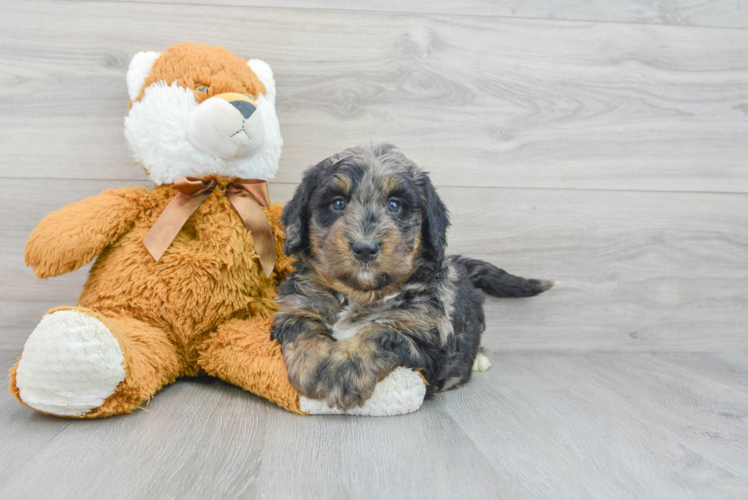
[[74, 235]]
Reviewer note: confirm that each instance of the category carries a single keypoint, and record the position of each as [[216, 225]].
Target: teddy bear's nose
[[244, 107]]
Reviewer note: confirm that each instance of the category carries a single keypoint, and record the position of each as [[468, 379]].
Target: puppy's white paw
[[70, 364], [481, 363], [400, 392]]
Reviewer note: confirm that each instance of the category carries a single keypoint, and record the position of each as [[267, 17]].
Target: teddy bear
[[185, 273]]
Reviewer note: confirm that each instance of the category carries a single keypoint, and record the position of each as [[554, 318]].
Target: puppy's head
[[365, 218]]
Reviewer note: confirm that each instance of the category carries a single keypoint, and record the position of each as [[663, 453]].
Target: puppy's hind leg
[[481, 363]]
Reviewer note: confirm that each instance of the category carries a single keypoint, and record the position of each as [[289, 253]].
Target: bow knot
[[247, 196], [195, 186]]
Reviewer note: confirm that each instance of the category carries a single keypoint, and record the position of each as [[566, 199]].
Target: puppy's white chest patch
[[342, 331], [348, 323]]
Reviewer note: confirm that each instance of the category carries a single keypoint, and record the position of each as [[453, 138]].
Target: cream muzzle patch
[[229, 126]]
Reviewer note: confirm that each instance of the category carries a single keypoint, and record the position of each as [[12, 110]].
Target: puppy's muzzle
[[365, 250], [229, 126]]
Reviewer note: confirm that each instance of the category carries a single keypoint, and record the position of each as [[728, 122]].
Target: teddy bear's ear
[[140, 68], [265, 74]]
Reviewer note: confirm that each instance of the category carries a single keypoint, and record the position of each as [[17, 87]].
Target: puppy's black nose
[[365, 250], [244, 107]]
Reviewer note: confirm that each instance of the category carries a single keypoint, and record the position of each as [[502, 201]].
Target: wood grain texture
[[606, 155], [475, 100], [724, 13], [641, 421], [638, 271], [542, 425]]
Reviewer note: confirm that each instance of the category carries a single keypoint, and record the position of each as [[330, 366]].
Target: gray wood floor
[[537, 425], [603, 144]]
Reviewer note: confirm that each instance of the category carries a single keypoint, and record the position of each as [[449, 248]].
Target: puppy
[[372, 289]]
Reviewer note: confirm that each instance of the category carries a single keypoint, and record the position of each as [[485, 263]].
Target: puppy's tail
[[499, 283]]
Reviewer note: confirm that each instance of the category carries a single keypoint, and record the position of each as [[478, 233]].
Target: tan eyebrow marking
[[390, 183], [342, 182]]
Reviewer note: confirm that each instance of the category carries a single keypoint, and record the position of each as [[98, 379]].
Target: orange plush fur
[[205, 307], [191, 66]]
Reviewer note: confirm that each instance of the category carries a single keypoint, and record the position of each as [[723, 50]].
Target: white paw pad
[[481, 363], [400, 392], [70, 364]]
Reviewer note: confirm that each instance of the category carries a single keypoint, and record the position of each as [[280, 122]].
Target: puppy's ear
[[296, 213], [435, 219]]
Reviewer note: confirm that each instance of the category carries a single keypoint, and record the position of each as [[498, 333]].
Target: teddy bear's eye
[[202, 88]]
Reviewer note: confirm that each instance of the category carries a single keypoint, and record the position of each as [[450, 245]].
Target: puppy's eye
[[338, 204], [202, 88], [393, 206]]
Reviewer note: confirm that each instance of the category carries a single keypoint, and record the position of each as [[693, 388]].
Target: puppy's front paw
[[400, 392], [345, 383]]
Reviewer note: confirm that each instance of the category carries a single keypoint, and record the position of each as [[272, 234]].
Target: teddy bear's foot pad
[[70, 364], [400, 392]]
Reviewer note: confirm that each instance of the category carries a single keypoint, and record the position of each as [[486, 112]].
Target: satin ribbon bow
[[247, 196]]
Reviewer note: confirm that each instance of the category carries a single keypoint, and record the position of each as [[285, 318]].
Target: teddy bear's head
[[199, 110]]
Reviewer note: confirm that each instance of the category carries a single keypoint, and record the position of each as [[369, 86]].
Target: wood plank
[[207, 439], [475, 100], [536, 425], [725, 13], [730, 369], [638, 271], [609, 426]]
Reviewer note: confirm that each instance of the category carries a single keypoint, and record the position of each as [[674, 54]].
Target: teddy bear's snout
[[229, 126]]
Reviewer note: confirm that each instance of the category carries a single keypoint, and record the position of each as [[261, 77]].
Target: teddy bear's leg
[[86, 364], [241, 353]]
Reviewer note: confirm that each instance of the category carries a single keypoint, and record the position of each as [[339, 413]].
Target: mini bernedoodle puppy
[[372, 289]]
